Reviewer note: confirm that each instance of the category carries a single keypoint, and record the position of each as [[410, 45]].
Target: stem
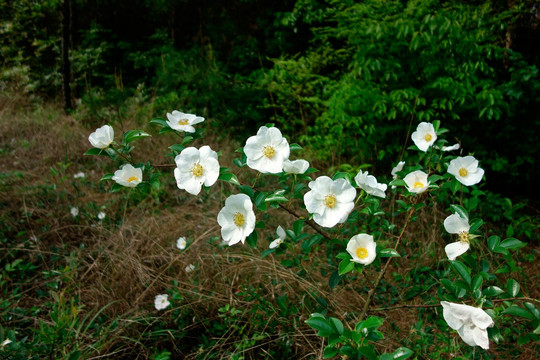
[[163, 165], [379, 278], [121, 155], [309, 222]]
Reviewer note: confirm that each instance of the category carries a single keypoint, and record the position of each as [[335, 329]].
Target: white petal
[[456, 249], [455, 224], [280, 232]]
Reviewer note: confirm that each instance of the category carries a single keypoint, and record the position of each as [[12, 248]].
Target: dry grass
[[124, 262]]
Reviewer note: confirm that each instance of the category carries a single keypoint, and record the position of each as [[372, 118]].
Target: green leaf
[[368, 352], [251, 240], [512, 287], [294, 147], [402, 353], [267, 252], [107, 177], [329, 352], [132, 135], [177, 147], [334, 280], [493, 242], [96, 151], [389, 253], [187, 140], [398, 182], [342, 175], [338, 326], [515, 310], [477, 283], [297, 226], [322, 325], [259, 201], [276, 198], [512, 243], [462, 270], [345, 266], [532, 309], [247, 190], [371, 323], [475, 224], [159, 121], [455, 185], [460, 211], [226, 175], [491, 291]]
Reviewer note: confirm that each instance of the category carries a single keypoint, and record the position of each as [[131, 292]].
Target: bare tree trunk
[[66, 64]]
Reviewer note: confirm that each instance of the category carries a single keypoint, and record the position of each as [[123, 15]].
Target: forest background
[[347, 80]]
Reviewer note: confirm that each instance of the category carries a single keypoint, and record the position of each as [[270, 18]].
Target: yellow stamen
[[418, 185], [362, 253], [197, 170], [183, 122], [133, 178], [463, 172], [239, 219], [464, 237], [269, 152], [330, 201], [428, 137]]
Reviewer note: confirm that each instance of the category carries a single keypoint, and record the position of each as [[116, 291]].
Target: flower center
[[463, 172], [330, 201], [428, 137], [464, 236], [133, 178], [239, 219], [362, 253], [197, 170], [269, 152], [183, 122], [418, 185]]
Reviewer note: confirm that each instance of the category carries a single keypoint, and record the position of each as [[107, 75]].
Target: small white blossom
[[330, 201], [196, 167], [74, 211], [79, 175], [181, 243], [237, 219], [128, 176], [5, 342], [281, 237], [362, 248], [267, 150], [101, 215], [397, 169], [466, 170], [299, 166], [161, 302], [470, 322], [424, 136], [416, 181], [183, 122], [369, 184], [455, 224], [451, 148], [102, 137], [189, 268]]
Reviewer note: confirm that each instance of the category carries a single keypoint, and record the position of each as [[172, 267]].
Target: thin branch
[[315, 227]]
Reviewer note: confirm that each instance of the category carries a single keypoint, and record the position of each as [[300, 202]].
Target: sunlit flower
[[295, 167], [102, 137], [362, 249], [181, 243], [267, 150], [79, 175], [237, 219], [466, 170], [424, 136], [455, 224], [183, 122], [281, 237], [189, 268], [74, 211], [128, 176], [416, 181], [369, 184], [330, 201], [196, 167], [470, 322], [101, 215], [161, 302]]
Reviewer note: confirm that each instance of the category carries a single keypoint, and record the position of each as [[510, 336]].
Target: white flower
[[466, 170], [397, 169], [128, 176], [79, 175], [195, 168], [416, 181], [424, 136], [330, 201], [295, 167], [470, 322], [455, 224], [451, 148], [362, 249], [369, 184], [281, 237], [267, 150], [237, 219], [74, 211], [181, 243], [161, 302], [101, 215], [5, 342], [102, 137], [189, 268], [183, 122]]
